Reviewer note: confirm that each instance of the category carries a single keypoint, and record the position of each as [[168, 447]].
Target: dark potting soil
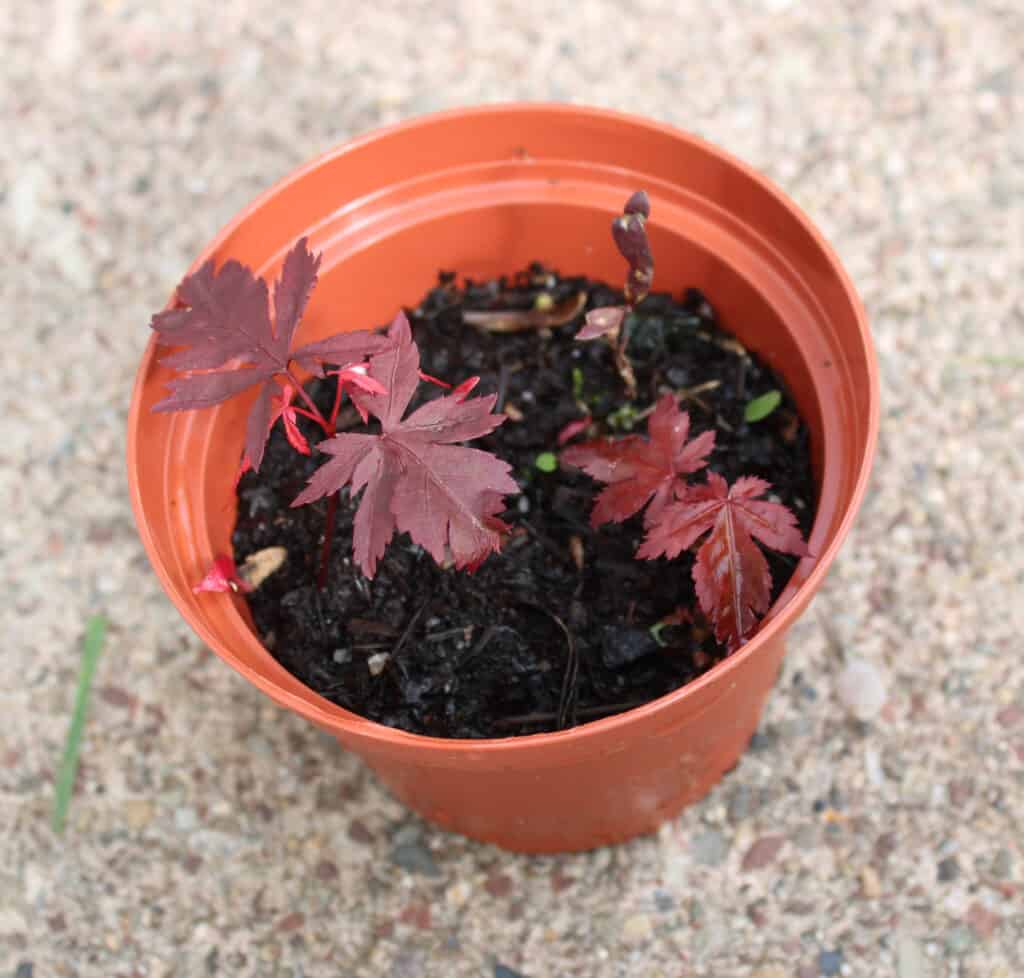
[[531, 641]]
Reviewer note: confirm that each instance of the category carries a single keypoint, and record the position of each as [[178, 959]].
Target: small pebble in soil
[[744, 801], [25, 969], [830, 963], [1002, 864], [637, 929], [664, 901], [503, 971], [806, 691], [959, 940], [861, 689], [764, 740], [621, 646], [948, 870], [709, 848], [910, 959], [414, 857]]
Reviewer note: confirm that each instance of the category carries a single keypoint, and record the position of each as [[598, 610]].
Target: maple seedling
[[730, 573], [630, 235], [417, 478]]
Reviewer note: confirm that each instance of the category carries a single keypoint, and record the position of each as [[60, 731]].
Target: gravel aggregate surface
[[874, 828]]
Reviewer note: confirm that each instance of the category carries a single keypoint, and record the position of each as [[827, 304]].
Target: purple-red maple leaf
[[642, 471], [231, 343], [600, 321], [731, 574], [416, 478]]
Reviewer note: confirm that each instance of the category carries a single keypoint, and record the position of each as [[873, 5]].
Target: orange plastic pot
[[484, 191]]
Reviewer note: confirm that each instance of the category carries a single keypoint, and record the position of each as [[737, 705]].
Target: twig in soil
[[690, 393], [520, 320], [587, 712], [729, 344], [682, 394], [566, 716], [570, 689], [448, 633], [404, 637]]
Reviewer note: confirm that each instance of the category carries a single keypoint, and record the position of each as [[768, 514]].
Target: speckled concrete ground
[[211, 834]]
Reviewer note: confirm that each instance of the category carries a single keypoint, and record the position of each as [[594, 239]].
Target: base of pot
[[569, 800]]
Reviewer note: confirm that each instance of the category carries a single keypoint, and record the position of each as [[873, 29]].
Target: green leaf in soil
[[760, 407], [95, 632], [546, 461]]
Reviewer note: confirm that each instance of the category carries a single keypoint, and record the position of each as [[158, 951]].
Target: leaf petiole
[[314, 412]]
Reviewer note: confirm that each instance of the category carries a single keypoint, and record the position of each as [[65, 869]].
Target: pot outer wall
[[483, 192]]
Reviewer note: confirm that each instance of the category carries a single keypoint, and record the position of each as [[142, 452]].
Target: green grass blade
[[95, 632]]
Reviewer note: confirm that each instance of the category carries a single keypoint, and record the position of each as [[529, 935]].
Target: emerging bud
[[630, 234], [638, 204]]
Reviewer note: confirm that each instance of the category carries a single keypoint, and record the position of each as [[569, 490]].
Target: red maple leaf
[[417, 479], [731, 574], [231, 343], [642, 470]]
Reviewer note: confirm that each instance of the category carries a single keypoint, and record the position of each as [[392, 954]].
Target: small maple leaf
[[231, 343], [356, 376], [642, 471], [416, 478], [599, 322], [222, 576], [285, 410], [731, 574]]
